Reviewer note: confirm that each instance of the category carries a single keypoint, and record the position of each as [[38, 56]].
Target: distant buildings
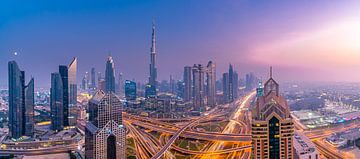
[[230, 85], [198, 73], [272, 125], [251, 81], [150, 91], [105, 134], [93, 77], [110, 75], [210, 83], [21, 103], [130, 90], [187, 83]]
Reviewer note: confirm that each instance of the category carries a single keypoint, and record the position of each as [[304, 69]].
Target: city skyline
[[249, 41]]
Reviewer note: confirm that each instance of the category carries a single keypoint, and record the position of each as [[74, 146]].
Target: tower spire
[[270, 71], [153, 39]]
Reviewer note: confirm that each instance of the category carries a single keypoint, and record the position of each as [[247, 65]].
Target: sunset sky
[[302, 40]]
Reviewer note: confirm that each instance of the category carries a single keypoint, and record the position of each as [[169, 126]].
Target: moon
[[15, 53]]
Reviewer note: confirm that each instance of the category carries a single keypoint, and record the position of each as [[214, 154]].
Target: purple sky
[[303, 40]]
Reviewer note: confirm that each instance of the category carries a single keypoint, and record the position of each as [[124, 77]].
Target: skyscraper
[[110, 75], [153, 69], [21, 103], [187, 83], [120, 85], [72, 69], [272, 125], [56, 102], [210, 83], [105, 134], [230, 85], [130, 90], [198, 87], [93, 77], [63, 70]]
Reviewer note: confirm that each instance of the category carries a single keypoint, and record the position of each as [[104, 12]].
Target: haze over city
[[304, 41]]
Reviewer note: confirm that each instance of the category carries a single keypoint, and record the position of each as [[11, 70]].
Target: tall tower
[[93, 77], [210, 83], [272, 125], [63, 70], [153, 69], [21, 103], [72, 68], [56, 102], [198, 87], [110, 75], [187, 83], [231, 85], [105, 134]]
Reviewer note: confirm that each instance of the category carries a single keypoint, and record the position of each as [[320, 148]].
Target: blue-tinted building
[[130, 90], [150, 91]]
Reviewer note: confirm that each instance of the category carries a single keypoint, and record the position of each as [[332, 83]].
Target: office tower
[[187, 83], [130, 90], [105, 134], [84, 83], [99, 76], [21, 103], [180, 89], [72, 69], [56, 102], [150, 91], [272, 125], [225, 87], [29, 108], [153, 69], [63, 70], [230, 85], [198, 87], [260, 90], [93, 77], [210, 83], [120, 85], [235, 84], [172, 84], [110, 75]]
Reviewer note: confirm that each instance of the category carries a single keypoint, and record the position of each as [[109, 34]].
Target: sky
[[302, 40]]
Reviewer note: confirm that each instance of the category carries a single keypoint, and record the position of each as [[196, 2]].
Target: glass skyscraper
[[110, 75], [72, 82], [56, 102], [21, 103], [130, 90]]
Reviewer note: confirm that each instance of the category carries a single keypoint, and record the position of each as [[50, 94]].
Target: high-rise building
[[63, 70], [225, 81], [29, 108], [172, 84], [210, 83], [72, 82], [272, 124], [120, 84], [187, 83], [150, 91], [153, 69], [250, 81], [230, 85], [56, 102], [93, 77], [21, 103], [130, 90], [105, 134], [198, 87], [110, 75]]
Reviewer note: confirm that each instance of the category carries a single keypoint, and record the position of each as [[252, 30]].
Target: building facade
[[210, 83], [105, 134], [198, 87], [21, 103], [56, 102], [63, 70], [72, 69], [187, 83], [272, 125], [110, 75], [130, 90]]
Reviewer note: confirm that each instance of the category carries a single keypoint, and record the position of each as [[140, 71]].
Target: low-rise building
[[304, 148]]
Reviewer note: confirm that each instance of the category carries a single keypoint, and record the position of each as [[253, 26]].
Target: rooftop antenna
[[270, 71]]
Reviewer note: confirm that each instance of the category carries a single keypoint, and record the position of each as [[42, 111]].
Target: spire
[[270, 71], [153, 40]]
